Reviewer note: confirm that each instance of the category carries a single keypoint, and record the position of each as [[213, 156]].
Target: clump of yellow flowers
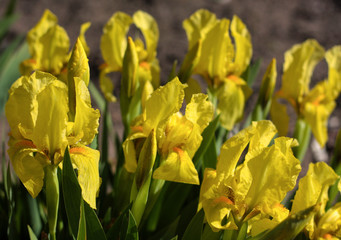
[[184, 167]]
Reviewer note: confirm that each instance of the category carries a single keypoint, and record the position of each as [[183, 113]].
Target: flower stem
[[52, 198]]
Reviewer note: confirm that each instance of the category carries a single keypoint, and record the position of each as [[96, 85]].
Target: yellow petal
[[279, 116], [177, 167], [231, 102], [317, 106], [232, 149], [87, 119], [265, 131], [22, 107], [193, 88], [28, 164], [242, 41], [198, 25], [47, 21], [163, 103], [299, 64], [274, 166], [107, 87], [148, 26], [114, 41], [214, 201], [86, 161], [130, 154], [313, 188], [216, 52], [84, 28], [199, 110], [333, 57], [49, 132]]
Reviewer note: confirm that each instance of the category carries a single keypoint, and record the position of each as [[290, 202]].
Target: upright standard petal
[[243, 45], [163, 103], [49, 133], [149, 28], [299, 64], [113, 40]]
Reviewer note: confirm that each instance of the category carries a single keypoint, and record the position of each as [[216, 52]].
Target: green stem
[[302, 133], [52, 198]]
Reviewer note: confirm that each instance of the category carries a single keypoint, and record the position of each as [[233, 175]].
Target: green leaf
[[210, 156], [82, 224], [251, 72], [72, 194], [131, 232], [115, 230], [191, 60], [97, 96], [94, 228], [6, 23], [208, 234], [207, 135], [31, 233], [194, 229]]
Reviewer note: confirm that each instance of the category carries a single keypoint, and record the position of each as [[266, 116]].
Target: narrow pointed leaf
[[194, 229]]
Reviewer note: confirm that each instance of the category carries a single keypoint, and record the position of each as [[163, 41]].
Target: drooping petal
[[231, 101], [279, 116], [299, 64], [149, 28], [130, 153], [317, 107], [242, 42], [214, 201], [199, 110], [86, 160], [177, 167], [107, 87], [114, 41], [28, 163]]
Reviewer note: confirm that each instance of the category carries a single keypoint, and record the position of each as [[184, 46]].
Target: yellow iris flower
[[315, 105], [38, 113], [231, 194], [220, 62], [49, 47], [177, 136], [114, 44], [313, 190]]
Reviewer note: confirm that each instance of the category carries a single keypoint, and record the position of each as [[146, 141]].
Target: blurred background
[[274, 26]]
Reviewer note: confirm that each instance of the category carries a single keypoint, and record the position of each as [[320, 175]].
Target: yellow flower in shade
[[42, 127], [49, 47], [313, 105], [177, 137], [114, 44], [313, 190], [253, 190], [220, 62]]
